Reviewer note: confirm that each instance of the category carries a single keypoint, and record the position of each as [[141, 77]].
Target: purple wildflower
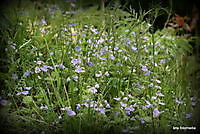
[[107, 105], [75, 78], [75, 61], [161, 103], [23, 92], [71, 25], [123, 104], [132, 119], [112, 57], [146, 106], [26, 74], [128, 113], [102, 110], [138, 84], [193, 103], [61, 66], [129, 109], [147, 73], [179, 102], [3, 102], [48, 67], [128, 42], [106, 73], [44, 68], [160, 94], [120, 50], [100, 41], [79, 70], [70, 112], [93, 30], [97, 86], [188, 115], [158, 87], [125, 98], [102, 58], [14, 76], [156, 113], [85, 104], [43, 31], [141, 120], [98, 74], [78, 106], [37, 70], [135, 105], [93, 104], [148, 102], [116, 48], [51, 53], [39, 62], [144, 68], [43, 21], [134, 48], [90, 64], [151, 84], [78, 48], [162, 61], [93, 90], [127, 30]]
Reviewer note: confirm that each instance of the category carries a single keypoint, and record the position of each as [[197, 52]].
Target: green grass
[[94, 73]]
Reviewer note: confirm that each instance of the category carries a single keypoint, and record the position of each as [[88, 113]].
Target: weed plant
[[93, 72]]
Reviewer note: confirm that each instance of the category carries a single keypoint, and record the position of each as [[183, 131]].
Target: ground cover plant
[[93, 72]]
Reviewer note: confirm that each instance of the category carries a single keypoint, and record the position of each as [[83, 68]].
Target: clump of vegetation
[[102, 73]]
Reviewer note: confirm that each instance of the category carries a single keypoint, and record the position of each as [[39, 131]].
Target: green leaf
[[148, 119], [27, 100]]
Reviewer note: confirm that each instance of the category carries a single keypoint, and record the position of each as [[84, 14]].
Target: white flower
[[97, 86], [93, 90], [158, 81]]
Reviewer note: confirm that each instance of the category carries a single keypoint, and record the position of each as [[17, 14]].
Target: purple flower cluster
[[23, 93], [75, 61], [44, 68], [145, 69], [3, 102], [79, 70]]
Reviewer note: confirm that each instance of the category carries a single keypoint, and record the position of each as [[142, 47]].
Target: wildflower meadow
[[90, 71]]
